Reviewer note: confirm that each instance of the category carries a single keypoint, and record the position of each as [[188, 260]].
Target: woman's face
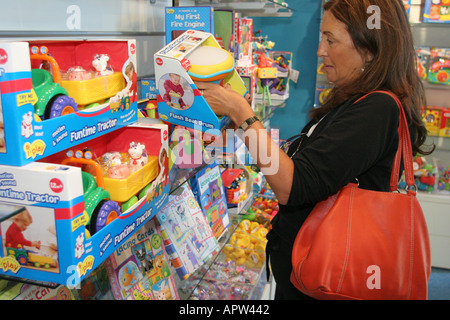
[[342, 62]]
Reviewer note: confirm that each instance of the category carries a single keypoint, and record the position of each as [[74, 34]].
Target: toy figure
[[78, 73], [138, 156], [100, 63]]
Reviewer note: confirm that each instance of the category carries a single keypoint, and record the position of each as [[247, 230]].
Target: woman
[[346, 138]]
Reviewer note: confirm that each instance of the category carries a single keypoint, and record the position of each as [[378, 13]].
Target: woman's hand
[[224, 101]]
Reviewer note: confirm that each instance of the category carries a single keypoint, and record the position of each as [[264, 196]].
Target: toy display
[[207, 186], [431, 116], [423, 61], [187, 235], [186, 106], [444, 178], [424, 173], [235, 182], [437, 11], [439, 67], [139, 269]]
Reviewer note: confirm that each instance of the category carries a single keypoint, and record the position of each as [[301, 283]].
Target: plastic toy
[[100, 63], [53, 100], [439, 72], [78, 73], [99, 209], [444, 178], [138, 156], [210, 64]]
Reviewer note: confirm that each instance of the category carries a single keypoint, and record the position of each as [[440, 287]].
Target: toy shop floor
[[439, 284]]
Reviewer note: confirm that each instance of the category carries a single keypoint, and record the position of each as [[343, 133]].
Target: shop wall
[[300, 35]]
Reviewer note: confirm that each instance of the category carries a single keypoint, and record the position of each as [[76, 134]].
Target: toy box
[[431, 116], [207, 186], [76, 222], [139, 268], [445, 123], [181, 19], [37, 109], [188, 238], [181, 61], [439, 66], [436, 11]]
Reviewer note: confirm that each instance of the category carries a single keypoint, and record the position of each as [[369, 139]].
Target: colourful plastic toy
[[53, 100], [210, 63], [99, 208]]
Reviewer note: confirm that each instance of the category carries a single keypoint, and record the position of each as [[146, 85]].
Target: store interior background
[[300, 35]]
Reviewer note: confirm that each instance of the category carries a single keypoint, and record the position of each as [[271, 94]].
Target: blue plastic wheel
[[106, 211], [61, 105]]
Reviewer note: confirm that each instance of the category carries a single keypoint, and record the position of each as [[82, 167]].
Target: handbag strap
[[404, 150]]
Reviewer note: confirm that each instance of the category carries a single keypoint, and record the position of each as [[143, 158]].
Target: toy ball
[[210, 63]]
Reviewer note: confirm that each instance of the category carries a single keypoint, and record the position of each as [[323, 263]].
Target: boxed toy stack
[[73, 198]]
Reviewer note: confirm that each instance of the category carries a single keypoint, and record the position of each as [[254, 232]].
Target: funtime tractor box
[[60, 219], [56, 94]]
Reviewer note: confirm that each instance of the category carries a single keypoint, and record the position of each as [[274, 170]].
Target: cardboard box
[[436, 11], [29, 133], [445, 123], [181, 19], [207, 186], [189, 109], [56, 197]]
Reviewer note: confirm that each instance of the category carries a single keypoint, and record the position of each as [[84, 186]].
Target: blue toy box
[[173, 60], [437, 11], [207, 186], [181, 19], [62, 248], [26, 135]]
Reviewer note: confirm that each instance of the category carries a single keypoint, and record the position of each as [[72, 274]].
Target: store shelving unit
[[436, 206]]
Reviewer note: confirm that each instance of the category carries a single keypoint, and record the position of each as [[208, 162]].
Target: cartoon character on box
[[27, 125], [79, 246]]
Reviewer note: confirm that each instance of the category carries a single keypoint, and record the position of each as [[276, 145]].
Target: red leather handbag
[[363, 244]]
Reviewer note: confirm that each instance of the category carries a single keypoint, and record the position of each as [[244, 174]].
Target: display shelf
[[210, 275], [252, 8], [436, 205]]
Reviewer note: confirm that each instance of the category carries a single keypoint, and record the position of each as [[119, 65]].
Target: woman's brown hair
[[393, 65]]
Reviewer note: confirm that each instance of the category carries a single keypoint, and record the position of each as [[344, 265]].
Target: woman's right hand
[[224, 101]]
